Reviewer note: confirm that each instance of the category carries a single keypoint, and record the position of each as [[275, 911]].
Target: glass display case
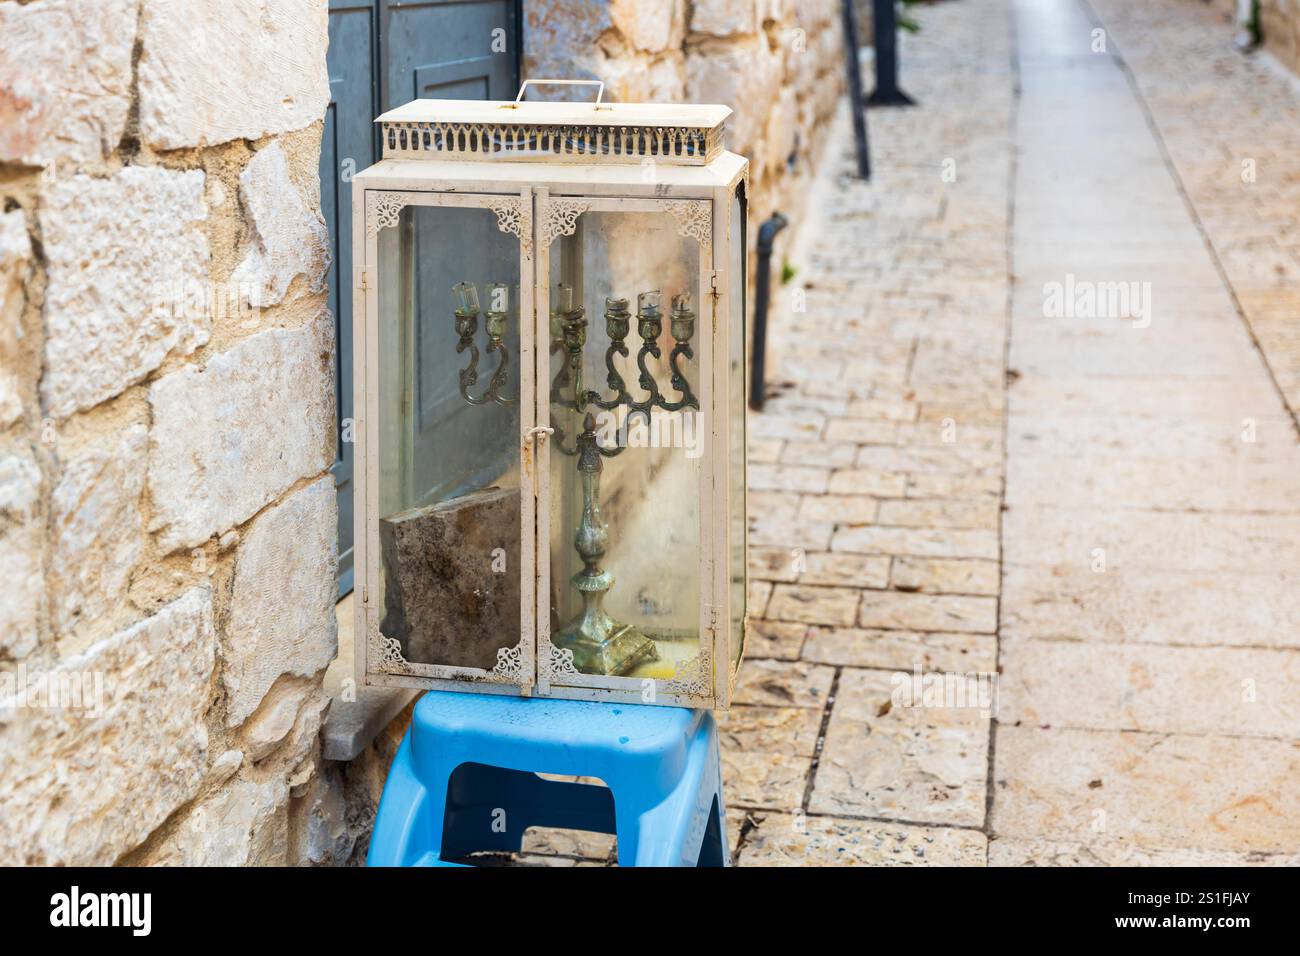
[[550, 356]]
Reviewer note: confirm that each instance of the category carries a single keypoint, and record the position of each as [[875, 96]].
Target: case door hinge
[[363, 283], [713, 283]]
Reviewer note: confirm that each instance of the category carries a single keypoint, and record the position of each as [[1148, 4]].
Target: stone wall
[[1279, 23], [777, 63], [167, 518]]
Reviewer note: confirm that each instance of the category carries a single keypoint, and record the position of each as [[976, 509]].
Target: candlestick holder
[[600, 644], [496, 319]]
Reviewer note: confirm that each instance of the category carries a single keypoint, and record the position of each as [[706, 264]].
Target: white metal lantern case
[[550, 351]]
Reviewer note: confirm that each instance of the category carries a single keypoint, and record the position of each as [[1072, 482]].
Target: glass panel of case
[[449, 542], [625, 459]]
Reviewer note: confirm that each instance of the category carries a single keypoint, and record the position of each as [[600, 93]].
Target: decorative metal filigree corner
[[384, 209], [694, 219], [387, 653], [561, 219], [511, 666], [515, 216], [692, 677], [558, 662]]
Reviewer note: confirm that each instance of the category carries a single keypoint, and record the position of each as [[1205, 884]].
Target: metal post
[[887, 92], [763, 295], [856, 106]]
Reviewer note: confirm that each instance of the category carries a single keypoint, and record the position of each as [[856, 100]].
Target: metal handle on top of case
[[598, 83]]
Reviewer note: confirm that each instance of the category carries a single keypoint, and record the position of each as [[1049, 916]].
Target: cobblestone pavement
[[876, 477], [957, 472]]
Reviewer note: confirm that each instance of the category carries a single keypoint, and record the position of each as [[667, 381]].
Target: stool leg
[[673, 832], [713, 848], [408, 824], [716, 850]]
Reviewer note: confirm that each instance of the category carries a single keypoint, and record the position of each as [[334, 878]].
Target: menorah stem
[[600, 644]]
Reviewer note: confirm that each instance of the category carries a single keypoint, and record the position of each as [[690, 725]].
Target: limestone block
[[724, 18], [123, 255], [20, 553], [230, 438], [15, 262], [65, 79], [83, 785], [631, 80], [269, 727], [290, 238], [745, 75], [445, 603], [244, 824], [651, 25], [211, 71], [282, 603], [318, 822], [561, 38], [781, 124], [98, 528]]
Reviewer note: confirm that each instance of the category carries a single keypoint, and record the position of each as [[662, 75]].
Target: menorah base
[[616, 652]]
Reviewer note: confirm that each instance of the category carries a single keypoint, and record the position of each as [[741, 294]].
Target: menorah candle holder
[[467, 310], [549, 426], [599, 643]]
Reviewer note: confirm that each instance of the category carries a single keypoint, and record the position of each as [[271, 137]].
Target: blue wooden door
[[384, 53]]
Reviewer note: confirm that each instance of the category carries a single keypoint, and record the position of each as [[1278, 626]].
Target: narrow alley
[[1021, 424]]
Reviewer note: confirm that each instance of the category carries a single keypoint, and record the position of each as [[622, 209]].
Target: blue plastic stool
[[467, 758]]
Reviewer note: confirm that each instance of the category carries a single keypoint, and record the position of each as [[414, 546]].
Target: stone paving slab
[[1160, 607], [1148, 687], [1187, 484], [918, 763], [780, 684], [896, 650], [1165, 791], [786, 840], [1013, 852], [1151, 539]]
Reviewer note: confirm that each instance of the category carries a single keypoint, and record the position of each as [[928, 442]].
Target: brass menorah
[[600, 644]]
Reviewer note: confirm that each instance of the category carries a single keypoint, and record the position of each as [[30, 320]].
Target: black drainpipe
[[763, 292]]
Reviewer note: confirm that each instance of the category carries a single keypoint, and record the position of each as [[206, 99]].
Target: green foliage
[[904, 21]]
